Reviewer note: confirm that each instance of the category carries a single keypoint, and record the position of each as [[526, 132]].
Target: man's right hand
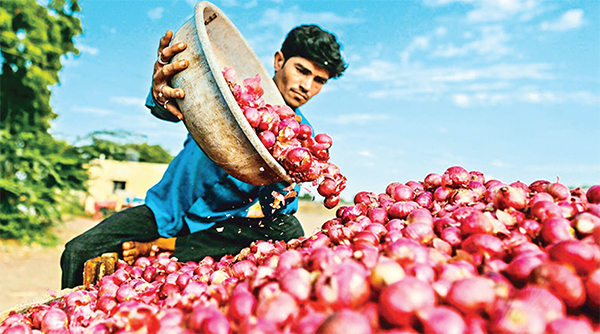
[[164, 70]]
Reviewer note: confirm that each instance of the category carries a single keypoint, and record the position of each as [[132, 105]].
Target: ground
[[29, 273]]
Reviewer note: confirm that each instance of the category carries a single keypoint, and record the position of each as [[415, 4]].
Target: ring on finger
[[160, 90], [165, 104], [160, 60]]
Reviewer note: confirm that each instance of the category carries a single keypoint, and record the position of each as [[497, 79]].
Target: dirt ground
[[29, 274]]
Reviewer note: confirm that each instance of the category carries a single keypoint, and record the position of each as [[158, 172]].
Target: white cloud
[[492, 43], [495, 10], [572, 19], [128, 101], [365, 154], [418, 43], [156, 13], [92, 110], [286, 20], [86, 49], [461, 100], [358, 118]]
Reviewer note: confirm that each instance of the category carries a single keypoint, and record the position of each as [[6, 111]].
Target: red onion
[[400, 301], [476, 222], [472, 295], [343, 285], [521, 266], [515, 317], [420, 232], [542, 300], [281, 309], [442, 320], [267, 138], [569, 325], [510, 197], [443, 193], [420, 215], [307, 324], [451, 235], [455, 177], [584, 258], [344, 322], [432, 181], [562, 281], [484, 244], [593, 194], [558, 190], [297, 282], [402, 209], [556, 229], [406, 251], [585, 223], [54, 320], [402, 192], [592, 288]]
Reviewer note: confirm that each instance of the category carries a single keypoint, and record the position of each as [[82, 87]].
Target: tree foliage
[[38, 172], [122, 146]]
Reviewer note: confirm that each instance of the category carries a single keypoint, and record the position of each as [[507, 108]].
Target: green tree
[[122, 146], [38, 172]]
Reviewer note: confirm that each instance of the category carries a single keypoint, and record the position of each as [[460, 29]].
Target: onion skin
[[592, 288], [555, 230], [472, 295], [593, 194], [344, 322], [569, 325], [442, 320], [515, 317], [542, 300], [562, 281], [584, 258], [399, 302], [510, 197]]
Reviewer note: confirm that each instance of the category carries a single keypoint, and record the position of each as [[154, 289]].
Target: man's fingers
[[173, 109], [164, 41], [168, 52], [165, 73]]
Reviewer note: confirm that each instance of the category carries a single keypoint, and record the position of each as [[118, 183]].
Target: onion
[[484, 244], [442, 320], [476, 222], [558, 190], [592, 288], [593, 194], [420, 232], [402, 192], [402, 209], [442, 194], [584, 258], [562, 281], [539, 186], [432, 181], [451, 235], [400, 301], [267, 138], [585, 222], [472, 294], [556, 229], [343, 285], [281, 309], [406, 251], [54, 320], [455, 177], [569, 325], [510, 197], [521, 266], [297, 282], [386, 272], [420, 215], [515, 317], [542, 300], [344, 322]]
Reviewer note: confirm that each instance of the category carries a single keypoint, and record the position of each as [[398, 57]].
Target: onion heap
[[453, 253], [305, 157]]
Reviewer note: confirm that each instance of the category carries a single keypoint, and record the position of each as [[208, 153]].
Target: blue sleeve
[[158, 111]]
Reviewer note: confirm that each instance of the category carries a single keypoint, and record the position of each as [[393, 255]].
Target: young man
[[197, 209]]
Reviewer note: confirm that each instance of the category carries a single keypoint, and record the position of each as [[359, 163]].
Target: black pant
[[138, 224]]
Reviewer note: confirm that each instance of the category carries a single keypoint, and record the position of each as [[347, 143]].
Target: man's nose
[[305, 85]]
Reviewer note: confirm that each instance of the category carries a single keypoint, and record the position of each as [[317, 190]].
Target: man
[[197, 209]]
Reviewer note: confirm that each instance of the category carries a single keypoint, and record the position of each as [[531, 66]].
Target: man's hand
[[162, 92]]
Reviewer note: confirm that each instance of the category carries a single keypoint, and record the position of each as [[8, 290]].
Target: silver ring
[[165, 104], [160, 90], [160, 61]]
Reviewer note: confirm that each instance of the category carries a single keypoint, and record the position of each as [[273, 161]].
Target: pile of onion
[[454, 253], [304, 156]]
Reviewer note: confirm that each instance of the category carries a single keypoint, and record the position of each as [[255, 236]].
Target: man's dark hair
[[315, 44]]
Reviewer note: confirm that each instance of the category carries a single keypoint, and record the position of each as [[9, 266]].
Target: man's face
[[298, 79]]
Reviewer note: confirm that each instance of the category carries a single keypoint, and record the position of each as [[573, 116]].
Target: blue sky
[[510, 88]]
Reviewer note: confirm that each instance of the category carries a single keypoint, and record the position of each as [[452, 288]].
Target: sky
[[510, 88]]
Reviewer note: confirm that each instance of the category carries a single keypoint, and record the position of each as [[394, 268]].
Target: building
[[117, 184]]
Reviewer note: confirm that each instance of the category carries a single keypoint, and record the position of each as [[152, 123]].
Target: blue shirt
[[196, 191]]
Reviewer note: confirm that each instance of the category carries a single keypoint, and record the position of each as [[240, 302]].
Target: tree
[[38, 172], [121, 146]]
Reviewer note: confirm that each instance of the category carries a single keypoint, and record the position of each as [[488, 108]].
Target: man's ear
[[278, 61]]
